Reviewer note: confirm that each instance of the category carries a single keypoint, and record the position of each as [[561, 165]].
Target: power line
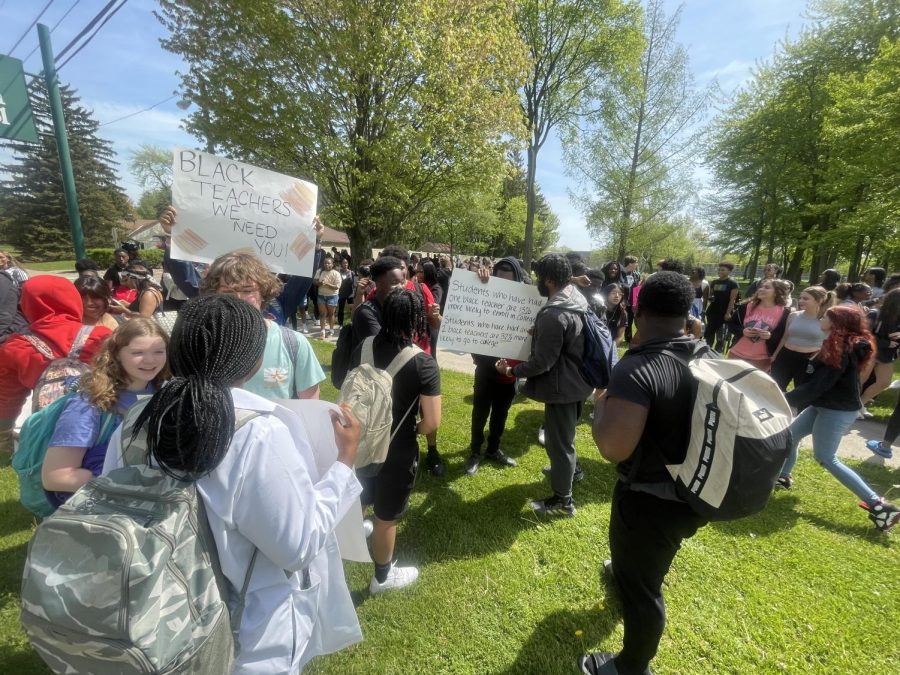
[[92, 35], [125, 117], [86, 29], [55, 26], [36, 19]]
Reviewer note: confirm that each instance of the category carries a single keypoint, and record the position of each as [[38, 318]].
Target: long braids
[[217, 341], [403, 318]]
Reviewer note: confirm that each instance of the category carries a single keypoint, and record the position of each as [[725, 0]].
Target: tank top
[[805, 332]]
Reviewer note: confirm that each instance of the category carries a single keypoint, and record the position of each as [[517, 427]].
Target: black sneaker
[[434, 464], [598, 663], [501, 458], [555, 506], [472, 463], [577, 477], [883, 515], [784, 483]]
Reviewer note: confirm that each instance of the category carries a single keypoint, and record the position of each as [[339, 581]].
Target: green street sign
[[16, 121]]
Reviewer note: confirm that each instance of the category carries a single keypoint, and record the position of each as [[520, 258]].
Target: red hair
[[848, 330]]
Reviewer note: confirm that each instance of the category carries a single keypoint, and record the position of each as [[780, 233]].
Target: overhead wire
[[55, 26], [87, 29], [30, 26], [87, 40], [148, 108]]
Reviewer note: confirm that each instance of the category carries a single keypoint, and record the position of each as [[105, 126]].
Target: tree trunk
[[857, 257], [530, 178]]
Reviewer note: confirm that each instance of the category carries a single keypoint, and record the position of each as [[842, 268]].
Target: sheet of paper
[[226, 206], [314, 417], [490, 318]]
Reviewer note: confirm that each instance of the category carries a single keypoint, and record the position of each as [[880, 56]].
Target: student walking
[[803, 337], [830, 398]]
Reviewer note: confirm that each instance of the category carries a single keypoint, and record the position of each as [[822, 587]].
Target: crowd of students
[[260, 483]]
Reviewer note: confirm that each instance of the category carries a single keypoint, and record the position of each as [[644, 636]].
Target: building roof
[[335, 237]]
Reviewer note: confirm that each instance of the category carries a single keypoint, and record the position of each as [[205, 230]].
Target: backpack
[[340, 357], [368, 391], [60, 373], [600, 353], [34, 439], [740, 437], [125, 577]]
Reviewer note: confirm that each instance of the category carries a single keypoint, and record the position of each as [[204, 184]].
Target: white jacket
[[268, 493]]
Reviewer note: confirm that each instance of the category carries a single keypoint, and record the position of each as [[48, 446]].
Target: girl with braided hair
[[403, 321], [830, 398], [260, 485]]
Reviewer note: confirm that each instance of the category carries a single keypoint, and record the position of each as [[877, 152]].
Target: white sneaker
[[541, 436], [895, 385], [368, 527], [398, 577]]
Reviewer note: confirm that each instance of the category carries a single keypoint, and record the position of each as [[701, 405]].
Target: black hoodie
[[832, 388]]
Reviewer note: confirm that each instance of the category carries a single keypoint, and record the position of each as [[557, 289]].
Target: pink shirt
[[764, 318]]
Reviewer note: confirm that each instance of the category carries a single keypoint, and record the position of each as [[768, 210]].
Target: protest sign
[[226, 206], [492, 318]]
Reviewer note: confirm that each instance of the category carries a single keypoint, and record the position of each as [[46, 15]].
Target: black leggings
[[789, 365], [893, 426], [491, 398]]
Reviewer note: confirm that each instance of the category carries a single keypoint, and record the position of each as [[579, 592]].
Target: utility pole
[[62, 141]]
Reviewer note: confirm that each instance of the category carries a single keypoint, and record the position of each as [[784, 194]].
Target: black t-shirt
[[664, 386], [112, 274], [720, 294], [419, 377], [366, 321]]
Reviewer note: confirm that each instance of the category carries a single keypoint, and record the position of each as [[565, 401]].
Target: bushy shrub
[[104, 256]]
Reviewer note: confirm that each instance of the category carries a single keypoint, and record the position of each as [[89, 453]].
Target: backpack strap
[[289, 337], [238, 613], [40, 345], [368, 353], [79, 342], [405, 356]]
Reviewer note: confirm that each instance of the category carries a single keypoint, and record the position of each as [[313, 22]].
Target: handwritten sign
[[492, 318], [225, 206]]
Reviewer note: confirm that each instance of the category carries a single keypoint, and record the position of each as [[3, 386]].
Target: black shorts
[[389, 491]]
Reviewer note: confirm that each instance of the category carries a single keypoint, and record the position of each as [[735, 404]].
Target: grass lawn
[[53, 266], [807, 586]]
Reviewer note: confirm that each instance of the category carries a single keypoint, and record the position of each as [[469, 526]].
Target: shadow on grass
[[554, 647], [21, 661], [780, 514], [14, 518]]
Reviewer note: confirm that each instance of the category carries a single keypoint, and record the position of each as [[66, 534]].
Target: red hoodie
[[52, 306]]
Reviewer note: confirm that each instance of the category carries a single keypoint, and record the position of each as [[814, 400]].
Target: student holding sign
[[493, 392]]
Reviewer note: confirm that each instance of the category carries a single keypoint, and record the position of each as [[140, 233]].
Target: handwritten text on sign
[[226, 206], [492, 318]]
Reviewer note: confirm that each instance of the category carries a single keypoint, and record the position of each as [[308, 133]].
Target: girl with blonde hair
[[803, 336], [131, 363]]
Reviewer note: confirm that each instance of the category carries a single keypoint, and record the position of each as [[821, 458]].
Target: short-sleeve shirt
[[277, 377], [79, 426], [664, 386], [720, 294]]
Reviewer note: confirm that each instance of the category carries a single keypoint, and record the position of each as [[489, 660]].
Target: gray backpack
[[125, 576]]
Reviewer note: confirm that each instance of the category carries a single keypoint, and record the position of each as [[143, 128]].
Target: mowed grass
[[807, 586]]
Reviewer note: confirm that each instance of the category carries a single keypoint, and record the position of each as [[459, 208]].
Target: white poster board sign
[[490, 318], [225, 206]]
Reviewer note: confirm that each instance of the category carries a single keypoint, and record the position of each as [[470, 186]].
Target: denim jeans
[[827, 428]]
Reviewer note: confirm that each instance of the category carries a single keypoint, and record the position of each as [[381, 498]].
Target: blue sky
[[124, 70]]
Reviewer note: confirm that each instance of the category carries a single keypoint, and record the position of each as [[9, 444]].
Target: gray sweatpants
[[559, 439]]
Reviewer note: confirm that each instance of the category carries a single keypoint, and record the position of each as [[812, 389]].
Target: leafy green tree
[[573, 46], [151, 167], [633, 156], [32, 202], [386, 106]]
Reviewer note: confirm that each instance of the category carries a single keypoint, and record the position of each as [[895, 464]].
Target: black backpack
[[340, 358], [600, 354]]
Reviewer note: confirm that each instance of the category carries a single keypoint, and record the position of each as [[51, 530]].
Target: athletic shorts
[[331, 300], [389, 491]]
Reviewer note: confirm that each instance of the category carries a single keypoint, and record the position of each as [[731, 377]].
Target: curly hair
[[106, 380], [238, 268], [554, 267], [849, 332]]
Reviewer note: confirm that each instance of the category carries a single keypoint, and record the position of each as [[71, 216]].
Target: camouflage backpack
[[60, 373], [125, 576]]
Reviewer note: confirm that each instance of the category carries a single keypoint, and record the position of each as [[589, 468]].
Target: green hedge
[[104, 256]]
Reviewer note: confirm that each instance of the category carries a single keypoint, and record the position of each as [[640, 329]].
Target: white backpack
[[368, 391], [740, 437]]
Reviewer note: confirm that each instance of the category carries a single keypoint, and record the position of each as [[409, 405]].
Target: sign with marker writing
[[490, 318], [225, 206]]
